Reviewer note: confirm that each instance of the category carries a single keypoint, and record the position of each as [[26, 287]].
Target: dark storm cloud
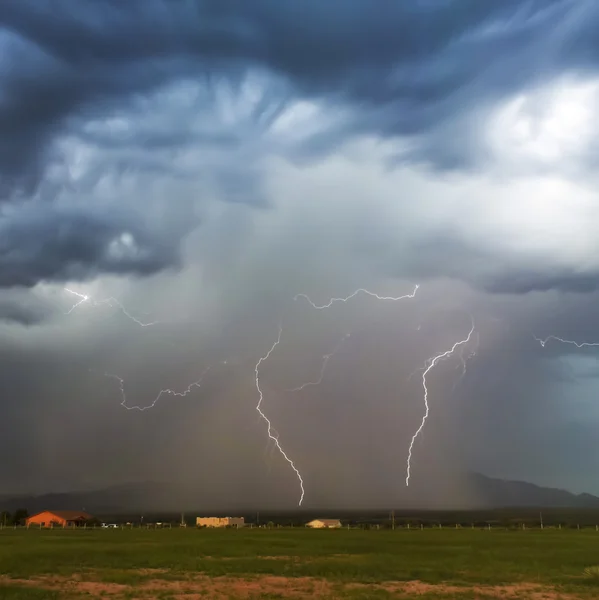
[[40, 242], [394, 68], [408, 67]]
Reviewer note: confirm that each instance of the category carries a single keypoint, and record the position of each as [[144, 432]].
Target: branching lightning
[[188, 390], [274, 436], [325, 362], [111, 301], [431, 364], [464, 360], [558, 339], [353, 294]]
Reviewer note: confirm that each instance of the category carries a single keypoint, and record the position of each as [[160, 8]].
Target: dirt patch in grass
[[293, 588], [71, 584], [530, 591]]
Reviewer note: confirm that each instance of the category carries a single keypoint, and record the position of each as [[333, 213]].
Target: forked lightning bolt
[[274, 436], [572, 342], [161, 393], [353, 294], [110, 302], [323, 368], [431, 364]]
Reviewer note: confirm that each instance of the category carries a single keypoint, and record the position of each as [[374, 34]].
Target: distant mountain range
[[499, 493], [163, 497]]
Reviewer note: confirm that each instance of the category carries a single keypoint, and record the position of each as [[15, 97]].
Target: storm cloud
[[197, 164]]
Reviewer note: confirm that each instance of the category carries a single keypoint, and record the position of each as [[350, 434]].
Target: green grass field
[[297, 563]]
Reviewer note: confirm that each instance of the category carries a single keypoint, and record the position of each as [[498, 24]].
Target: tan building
[[220, 522], [324, 524]]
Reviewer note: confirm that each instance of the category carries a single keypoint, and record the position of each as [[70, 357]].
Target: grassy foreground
[[297, 563]]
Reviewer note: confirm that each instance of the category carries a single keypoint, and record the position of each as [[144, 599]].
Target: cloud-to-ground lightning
[[543, 342], [188, 390], [431, 364], [323, 368], [353, 294], [106, 301], [274, 436]]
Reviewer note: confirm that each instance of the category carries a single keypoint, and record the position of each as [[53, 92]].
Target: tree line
[[17, 518]]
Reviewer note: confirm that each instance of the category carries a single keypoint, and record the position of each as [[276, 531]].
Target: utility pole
[[393, 520], [541, 515]]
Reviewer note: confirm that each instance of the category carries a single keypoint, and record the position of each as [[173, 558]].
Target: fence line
[[352, 527]]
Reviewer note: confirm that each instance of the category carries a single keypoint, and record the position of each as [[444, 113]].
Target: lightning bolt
[[161, 393], [464, 360], [431, 364], [274, 436], [558, 339], [326, 358], [110, 302], [353, 294]]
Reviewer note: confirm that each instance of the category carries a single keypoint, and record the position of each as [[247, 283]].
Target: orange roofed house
[[59, 518]]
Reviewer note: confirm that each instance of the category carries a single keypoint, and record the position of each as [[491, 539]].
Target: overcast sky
[[196, 164]]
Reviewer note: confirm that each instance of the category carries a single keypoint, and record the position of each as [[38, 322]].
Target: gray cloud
[[43, 243], [103, 59], [13, 311], [103, 53]]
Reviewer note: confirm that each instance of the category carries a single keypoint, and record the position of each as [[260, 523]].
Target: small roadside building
[[59, 518], [220, 522], [324, 524]]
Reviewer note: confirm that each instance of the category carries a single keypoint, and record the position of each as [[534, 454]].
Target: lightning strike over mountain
[[107, 301], [353, 294], [170, 392], [432, 362], [274, 436], [323, 368], [572, 342]]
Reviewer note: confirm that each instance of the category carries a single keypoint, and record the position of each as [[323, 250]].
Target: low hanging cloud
[[48, 243]]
